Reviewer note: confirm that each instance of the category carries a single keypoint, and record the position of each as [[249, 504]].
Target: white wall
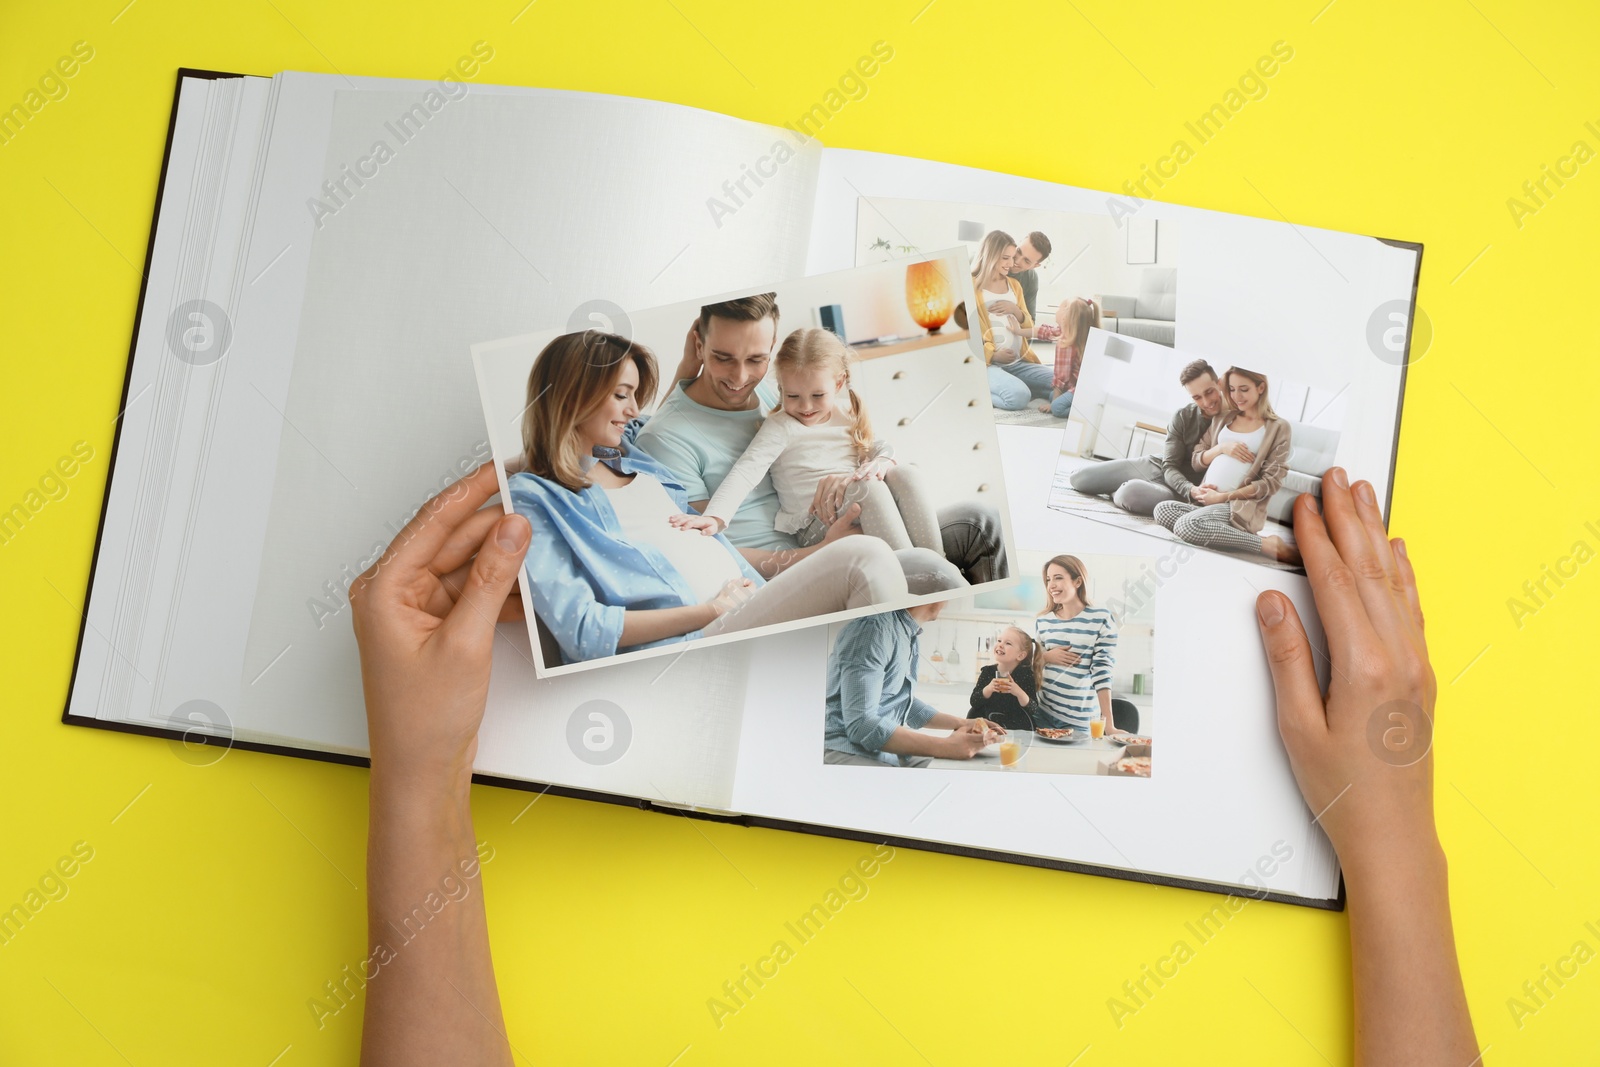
[[1148, 379]]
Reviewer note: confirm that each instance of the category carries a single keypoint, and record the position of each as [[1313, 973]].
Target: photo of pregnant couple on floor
[[760, 490], [1220, 472], [1042, 677]]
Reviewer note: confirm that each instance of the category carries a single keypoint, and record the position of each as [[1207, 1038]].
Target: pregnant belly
[[704, 562], [1226, 473]]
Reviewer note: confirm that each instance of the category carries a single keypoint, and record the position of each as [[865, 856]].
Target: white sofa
[[1150, 316], [1311, 451]]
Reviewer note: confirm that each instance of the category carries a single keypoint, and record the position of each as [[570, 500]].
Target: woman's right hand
[[1239, 451], [732, 595], [1362, 754]]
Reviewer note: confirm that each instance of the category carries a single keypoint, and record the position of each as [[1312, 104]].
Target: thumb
[[1294, 677], [494, 570]]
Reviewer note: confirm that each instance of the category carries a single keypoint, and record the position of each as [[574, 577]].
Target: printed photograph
[[757, 461], [1041, 281], [1196, 451], [1054, 675]]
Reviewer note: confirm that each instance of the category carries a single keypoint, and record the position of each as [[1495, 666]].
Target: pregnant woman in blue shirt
[[606, 570]]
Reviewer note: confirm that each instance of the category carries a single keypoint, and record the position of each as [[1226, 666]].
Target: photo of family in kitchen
[[1041, 280], [1054, 675]]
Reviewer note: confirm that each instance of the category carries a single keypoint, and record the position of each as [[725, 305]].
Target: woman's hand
[[1062, 657], [424, 618], [732, 595], [1008, 308], [1362, 754], [1363, 758], [1210, 494], [689, 365], [709, 525], [1239, 451]]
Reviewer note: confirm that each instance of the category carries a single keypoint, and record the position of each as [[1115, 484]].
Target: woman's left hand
[[1208, 494]]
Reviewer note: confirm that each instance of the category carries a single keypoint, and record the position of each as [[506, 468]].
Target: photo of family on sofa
[[1040, 283], [781, 479], [1045, 676], [1168, 446]]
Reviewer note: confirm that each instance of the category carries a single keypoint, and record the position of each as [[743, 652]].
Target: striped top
[[1067, 694]]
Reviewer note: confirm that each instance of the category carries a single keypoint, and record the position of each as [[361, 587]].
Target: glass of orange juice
[[1097, 728], [1014, 749]]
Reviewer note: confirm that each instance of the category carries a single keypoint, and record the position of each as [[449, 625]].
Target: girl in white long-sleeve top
[[809, 436]]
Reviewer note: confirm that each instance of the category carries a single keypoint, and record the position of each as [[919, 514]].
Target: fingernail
[[1339, 478], [1269, 610], [1400, 548], [1365, 495], [508, 534], [1313, 504]]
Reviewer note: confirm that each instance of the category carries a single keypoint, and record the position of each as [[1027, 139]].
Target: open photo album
[[872, 496]]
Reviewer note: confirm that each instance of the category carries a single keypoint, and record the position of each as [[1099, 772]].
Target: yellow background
[[227, 895]]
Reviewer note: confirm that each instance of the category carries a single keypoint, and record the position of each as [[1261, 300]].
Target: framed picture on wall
[[1141, 240]]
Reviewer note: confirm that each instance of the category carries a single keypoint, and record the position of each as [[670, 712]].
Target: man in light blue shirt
[[873, 716], [711, 414]]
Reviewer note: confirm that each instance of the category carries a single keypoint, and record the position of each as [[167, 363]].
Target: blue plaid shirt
[[871, 672]]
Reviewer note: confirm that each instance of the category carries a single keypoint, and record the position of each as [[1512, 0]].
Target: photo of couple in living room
[[771, 474], [1164, 443], [1053, 675], [1041, 281]]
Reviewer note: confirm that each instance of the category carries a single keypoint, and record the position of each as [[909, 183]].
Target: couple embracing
[[1226, 454], [740, 503]]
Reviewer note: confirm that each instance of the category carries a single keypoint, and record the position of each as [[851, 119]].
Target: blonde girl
[[1075, 317], [1006, 689], [810, 436]]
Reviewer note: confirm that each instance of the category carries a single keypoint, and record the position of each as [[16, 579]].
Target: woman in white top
[[808, 437], [1015, 373], [607, 569], [1243, 457]]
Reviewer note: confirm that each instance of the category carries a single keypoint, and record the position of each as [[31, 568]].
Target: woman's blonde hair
[[569, 381], [1033, 657], [1075, 571], [994, 245], [812, 347], [1263, 406]]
